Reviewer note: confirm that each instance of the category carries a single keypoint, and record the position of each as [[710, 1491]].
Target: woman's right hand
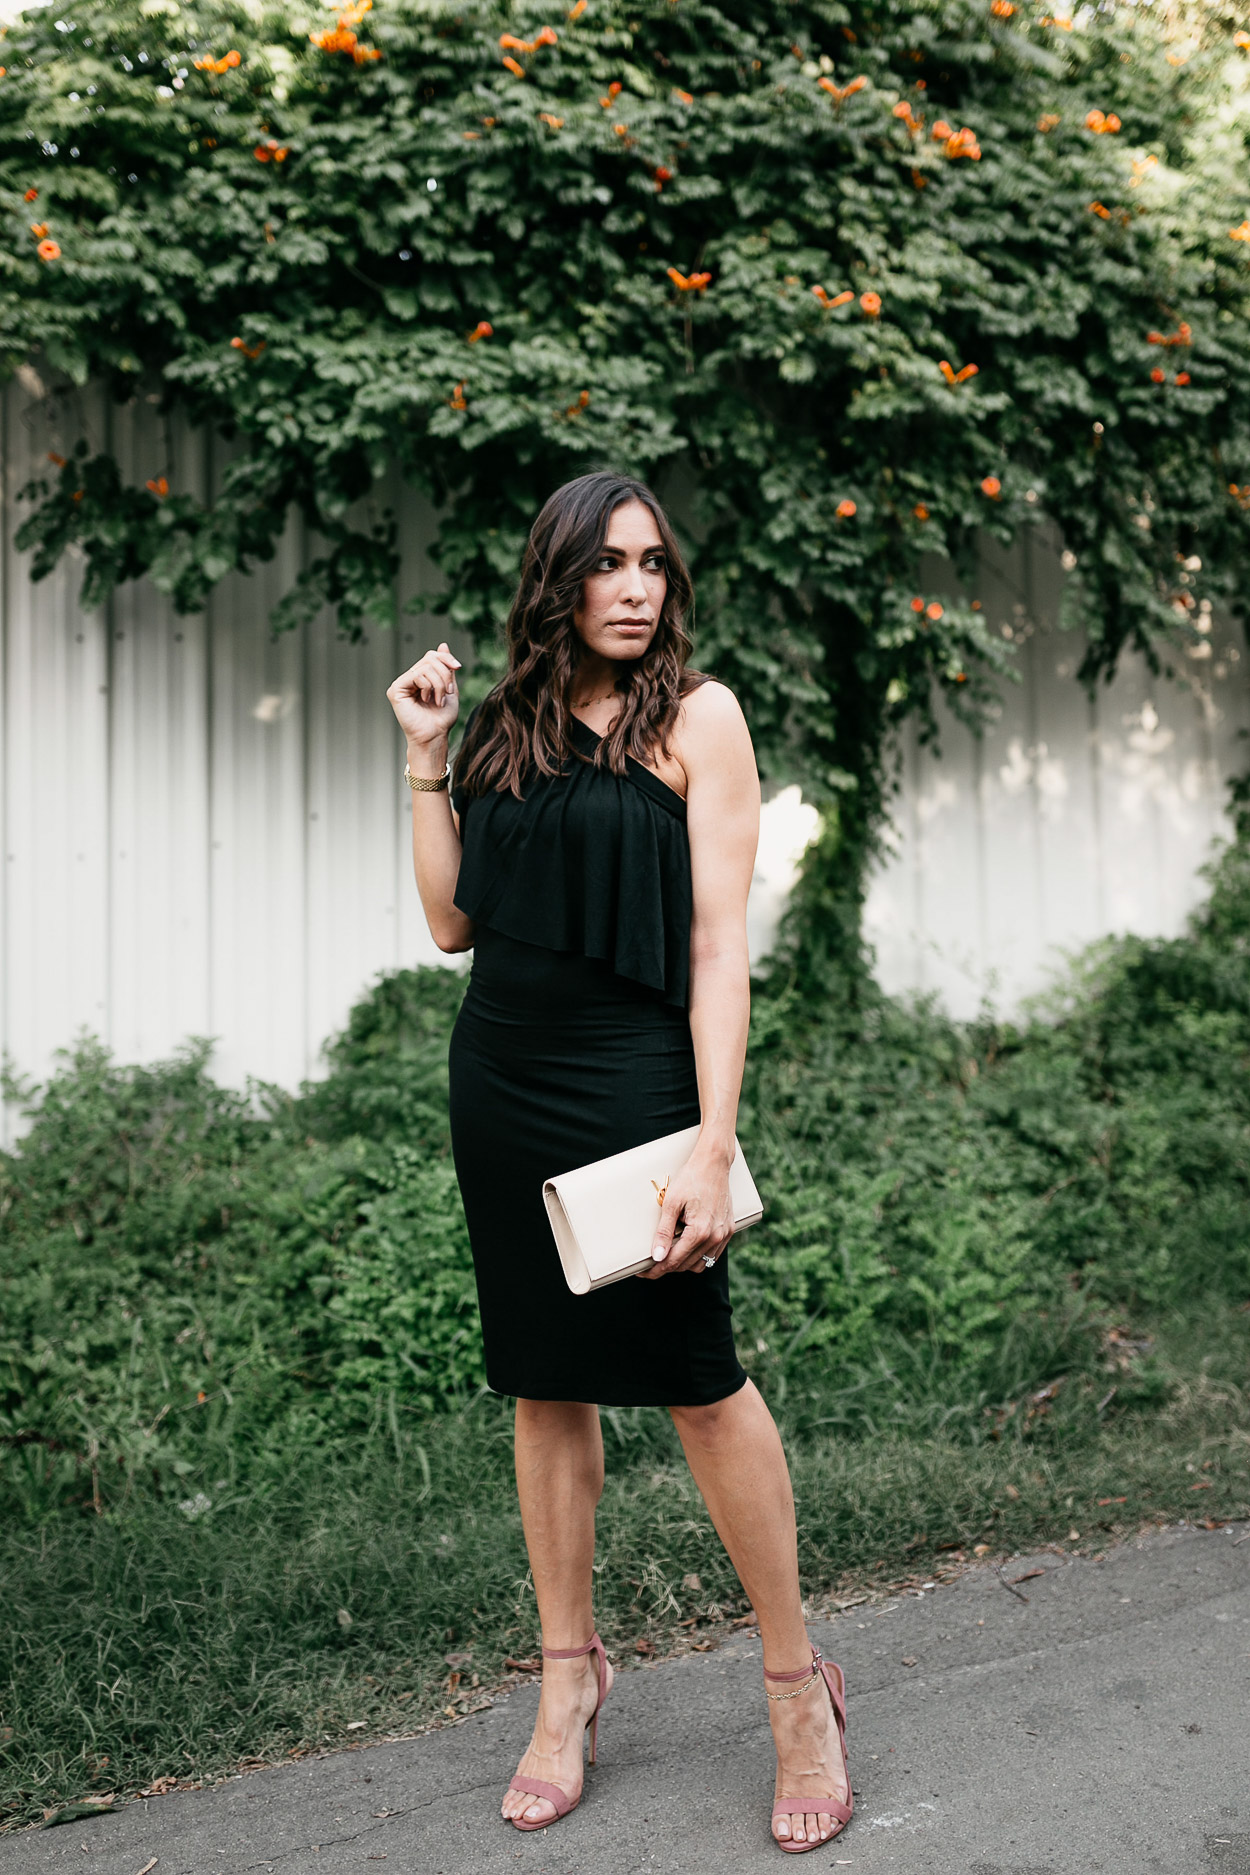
[[425, 699]]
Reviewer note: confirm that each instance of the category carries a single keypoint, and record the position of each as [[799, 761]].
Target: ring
[[708, 1262]]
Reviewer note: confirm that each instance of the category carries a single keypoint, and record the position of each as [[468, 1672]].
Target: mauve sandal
[[535, 1786], [813, 1806]]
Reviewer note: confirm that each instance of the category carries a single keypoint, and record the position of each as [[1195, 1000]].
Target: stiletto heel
[[812, 1806], [536, 1786]]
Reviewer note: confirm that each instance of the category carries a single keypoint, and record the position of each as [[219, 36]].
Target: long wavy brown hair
[[522, 724]]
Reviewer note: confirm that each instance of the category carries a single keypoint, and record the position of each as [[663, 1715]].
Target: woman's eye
[[655, 564]]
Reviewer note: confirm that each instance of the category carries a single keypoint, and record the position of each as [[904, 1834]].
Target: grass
[[328, 1589]]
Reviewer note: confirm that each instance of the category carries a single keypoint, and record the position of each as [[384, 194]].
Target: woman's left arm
[[723, 821]]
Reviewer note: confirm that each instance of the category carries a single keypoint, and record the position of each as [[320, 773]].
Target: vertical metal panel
[[56, 768], [258, 925], [159, 841]]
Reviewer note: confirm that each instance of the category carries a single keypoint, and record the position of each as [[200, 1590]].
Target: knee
[[706, 1426]]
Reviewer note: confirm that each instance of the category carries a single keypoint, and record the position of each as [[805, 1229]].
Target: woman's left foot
[[809, 1763]]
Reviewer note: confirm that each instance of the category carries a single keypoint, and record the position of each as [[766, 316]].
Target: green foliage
[[955, 1214], [304, 250]]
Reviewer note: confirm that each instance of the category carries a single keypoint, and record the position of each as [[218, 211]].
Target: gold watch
[[420, 785]]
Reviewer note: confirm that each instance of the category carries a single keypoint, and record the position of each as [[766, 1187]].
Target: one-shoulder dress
[[573, 1042]]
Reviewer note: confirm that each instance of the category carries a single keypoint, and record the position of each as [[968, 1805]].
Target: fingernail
[[657, 1252]]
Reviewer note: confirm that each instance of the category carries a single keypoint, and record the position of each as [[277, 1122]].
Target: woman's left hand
[[697, 1220]]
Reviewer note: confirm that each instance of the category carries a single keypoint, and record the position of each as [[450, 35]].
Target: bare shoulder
[[711, 721]]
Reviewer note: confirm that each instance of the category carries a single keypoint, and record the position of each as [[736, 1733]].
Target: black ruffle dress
[[573, 1042]]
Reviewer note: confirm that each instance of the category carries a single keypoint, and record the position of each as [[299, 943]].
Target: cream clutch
[[604, 1215]]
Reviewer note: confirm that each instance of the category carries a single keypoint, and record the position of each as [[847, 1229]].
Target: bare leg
[[735, 1453], [559, 1473]]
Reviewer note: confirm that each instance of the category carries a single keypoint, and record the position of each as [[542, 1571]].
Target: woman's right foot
[[570, 1693]]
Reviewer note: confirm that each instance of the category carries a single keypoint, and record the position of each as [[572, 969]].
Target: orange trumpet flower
[[963, 143], [546, 37], [957, 377], [688, 283], [846, 91], [1183, 335], [482, 330], [845, 509], [991, 486], [160, 487], [871, 303], [48, 250]]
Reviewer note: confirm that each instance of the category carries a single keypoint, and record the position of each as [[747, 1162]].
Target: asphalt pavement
[[1100, 1727]]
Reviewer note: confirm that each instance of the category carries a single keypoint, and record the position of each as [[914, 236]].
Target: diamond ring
[[708, 1262]]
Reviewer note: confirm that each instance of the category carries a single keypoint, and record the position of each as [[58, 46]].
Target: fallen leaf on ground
[[523, 1666], [1026, 1577]]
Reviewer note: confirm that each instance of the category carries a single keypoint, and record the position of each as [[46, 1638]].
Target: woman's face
[[622, 597]]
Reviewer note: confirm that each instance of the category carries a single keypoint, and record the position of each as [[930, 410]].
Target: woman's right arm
[[426, 703]]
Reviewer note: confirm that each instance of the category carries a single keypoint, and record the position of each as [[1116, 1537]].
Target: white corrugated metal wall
[[1067, 818], [206, 831]]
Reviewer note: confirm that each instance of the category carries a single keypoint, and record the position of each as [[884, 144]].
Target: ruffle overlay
[[590, 862]]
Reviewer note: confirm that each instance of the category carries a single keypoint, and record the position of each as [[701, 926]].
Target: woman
[[595, 853]]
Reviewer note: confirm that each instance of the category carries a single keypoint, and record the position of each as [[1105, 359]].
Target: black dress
[[573, 1042]]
